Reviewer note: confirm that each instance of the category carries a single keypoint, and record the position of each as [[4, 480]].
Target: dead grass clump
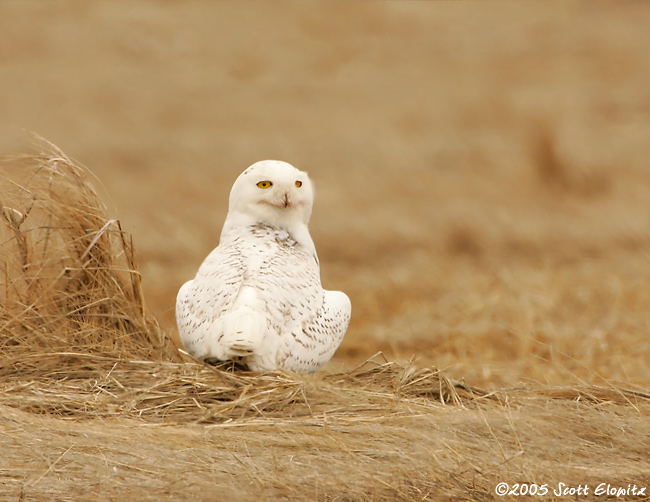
[[409, 381], [84, 386], [71, 280]]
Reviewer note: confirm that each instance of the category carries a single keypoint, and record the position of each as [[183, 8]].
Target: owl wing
[[202, 302], [330, 325], [308, 321], [320, 335]]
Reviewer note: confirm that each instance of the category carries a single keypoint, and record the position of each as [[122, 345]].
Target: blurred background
[[481, 168]]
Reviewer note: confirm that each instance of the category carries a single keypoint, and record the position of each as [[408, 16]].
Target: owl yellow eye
[[298, 184], [264, 184]]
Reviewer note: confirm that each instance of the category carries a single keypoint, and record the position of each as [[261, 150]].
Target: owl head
[[273, 192]]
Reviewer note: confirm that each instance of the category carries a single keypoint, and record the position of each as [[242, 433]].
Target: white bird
[[257, 298]]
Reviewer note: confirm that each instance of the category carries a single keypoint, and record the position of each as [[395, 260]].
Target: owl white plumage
[[257, 298]]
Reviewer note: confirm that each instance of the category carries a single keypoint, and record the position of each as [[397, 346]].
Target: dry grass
[[70, 274], [95, 399], [483, 197]]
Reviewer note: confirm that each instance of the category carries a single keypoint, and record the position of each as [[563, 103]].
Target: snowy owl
[[257, 298]]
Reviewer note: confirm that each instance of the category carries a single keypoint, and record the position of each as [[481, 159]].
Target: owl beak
[[286, 201]]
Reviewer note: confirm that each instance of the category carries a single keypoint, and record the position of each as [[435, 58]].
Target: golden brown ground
[[482, 186]]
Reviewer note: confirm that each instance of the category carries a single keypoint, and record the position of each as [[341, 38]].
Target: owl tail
[[244, 326]]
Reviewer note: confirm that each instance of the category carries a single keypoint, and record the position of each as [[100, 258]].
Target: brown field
[[482, 195]]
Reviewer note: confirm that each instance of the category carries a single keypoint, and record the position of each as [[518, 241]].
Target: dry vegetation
[[95, 399], [70, 278], [494, 156]]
